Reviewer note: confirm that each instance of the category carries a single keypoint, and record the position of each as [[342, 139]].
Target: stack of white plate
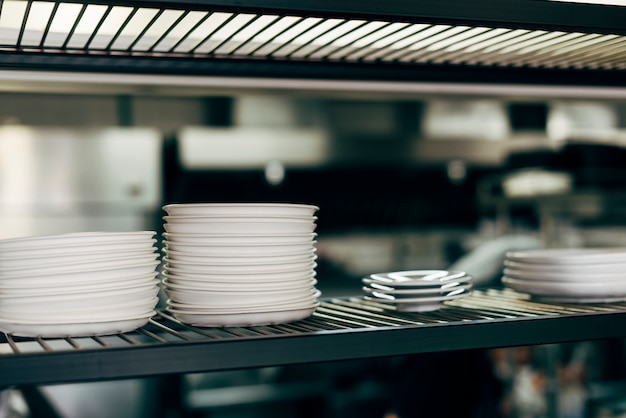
[[569, 275], [417, 290], [91, 283], [240, 264]]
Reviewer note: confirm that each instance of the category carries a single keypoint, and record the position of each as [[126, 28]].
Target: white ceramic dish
[[417, 292], [250, 307], [177, 275], [184, 268], [80, 300], [221, 286], [234, 250], [572, 278], [79, 276], [277, 228], [418, 278], [30, 262], [247, 238], [569, 256], [574, 299], [576, 269], [244, 319], [81, 315], [552, 288], [49, 250], [230, 209], [238, 219], [178, 258], [215, 299], [383, 283], [421, 304], [78, 238], [79, 265], [79, 329], [124, 283]]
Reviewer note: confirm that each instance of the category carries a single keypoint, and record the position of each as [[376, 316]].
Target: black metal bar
[[169, 30], [121, 29], [74, 26], [48, 24], [145, 29], [23, 26], [232, 35], [98, 26], [208, 36], [269, 41], [193, 28]]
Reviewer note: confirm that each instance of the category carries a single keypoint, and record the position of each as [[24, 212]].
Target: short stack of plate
[[90, 283], [568, 275], [417, 290], [240, 264]]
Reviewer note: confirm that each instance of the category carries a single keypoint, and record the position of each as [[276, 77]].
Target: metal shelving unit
[[340, 329], [517, 41]]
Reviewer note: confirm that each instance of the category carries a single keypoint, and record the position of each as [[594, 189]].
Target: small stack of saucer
[[568, 275], [240, 264], [417, 290], [90, 283]]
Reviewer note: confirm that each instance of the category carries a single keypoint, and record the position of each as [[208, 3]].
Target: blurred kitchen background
[[402, 183]]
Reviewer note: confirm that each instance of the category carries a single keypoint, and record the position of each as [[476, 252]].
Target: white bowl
[[296, 274], [48, 251], [236, 250], [250, 209], [81, 275], [216, 299], [29, 262], [77, 238], [277, 228], [78, 265], [247, 239], [184, 268], [191, 285], [176, 258]]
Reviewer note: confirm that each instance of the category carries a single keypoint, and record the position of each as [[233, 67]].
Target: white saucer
[[418, 292], [418, 278], [421, 304]]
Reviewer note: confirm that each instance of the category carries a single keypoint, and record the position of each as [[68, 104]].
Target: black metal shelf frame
[[527, 41], [340, 329]]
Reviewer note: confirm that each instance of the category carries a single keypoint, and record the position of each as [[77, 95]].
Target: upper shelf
[[489, 41]]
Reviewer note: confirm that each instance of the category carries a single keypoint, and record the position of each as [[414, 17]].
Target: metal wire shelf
[[343, 328]]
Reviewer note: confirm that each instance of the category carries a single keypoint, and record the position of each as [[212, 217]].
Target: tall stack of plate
[[417, 290], [240, 264], [569, 275], [91, 283]]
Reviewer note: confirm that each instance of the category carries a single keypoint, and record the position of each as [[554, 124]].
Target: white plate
[[77, 238], [577, 269], [78, 265], [577, 256], [573, 278], [80, 329], [245, 278], [80, 276], [80, 300], [215, 300], [309, 300], [234, 250], [244, 319], [229, 209], [247, 238], [30, 262], [418, 292], [222, 286], [60, 250], [565, 299], [124, 283], [238, 219], [184, 268], [176, 258], [418, 278], [551, 288], [80, 315], [277, 228], [421, 304]]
